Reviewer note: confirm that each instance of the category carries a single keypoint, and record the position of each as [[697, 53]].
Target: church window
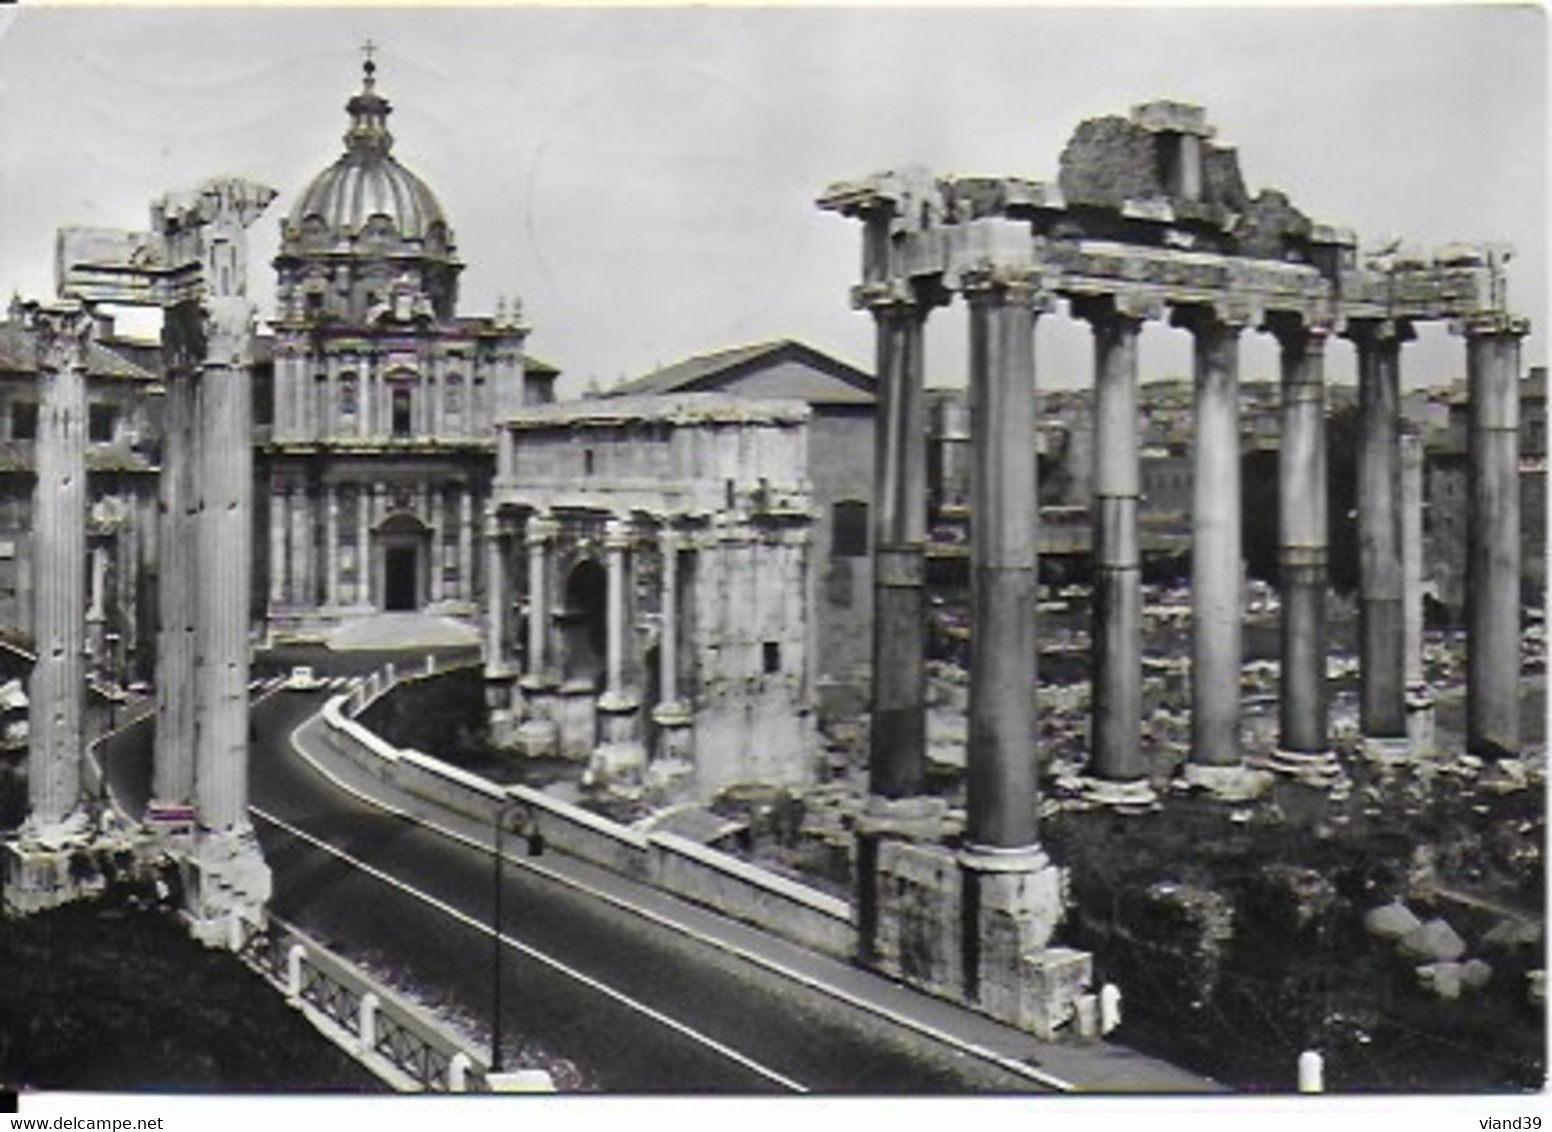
[[347, 394], [771, 657], [454, 395], [401, 412]]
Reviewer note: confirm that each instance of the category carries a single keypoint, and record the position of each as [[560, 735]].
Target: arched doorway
[[404, 543], [584, 624]]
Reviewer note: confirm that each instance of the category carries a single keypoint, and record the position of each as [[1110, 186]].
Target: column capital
[[1367, 332], [1118, 308], [1222, 318], [1296, 332], [670, 539], [618, 533], [1003, 286], [900, 299], [63, 331], [1491, 324], [541, 528]]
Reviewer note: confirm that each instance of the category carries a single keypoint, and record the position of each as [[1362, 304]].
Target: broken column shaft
[[1302, 542], [1216, 552], [1117, 628], [1382, 665], [898, 744], [1004, 508], [1493, 538], [56, 689]]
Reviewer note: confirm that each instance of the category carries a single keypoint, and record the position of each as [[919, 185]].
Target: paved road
[[637, 1006]]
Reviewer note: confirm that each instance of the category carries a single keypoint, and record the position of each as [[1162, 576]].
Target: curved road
[[638, 1007]]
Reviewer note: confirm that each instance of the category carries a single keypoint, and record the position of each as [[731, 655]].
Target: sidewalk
[[1067, 1067]]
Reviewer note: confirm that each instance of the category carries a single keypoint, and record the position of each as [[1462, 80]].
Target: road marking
[[533, 953], [926, 1029]]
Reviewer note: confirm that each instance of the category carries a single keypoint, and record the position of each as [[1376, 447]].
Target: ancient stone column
[[897, 763], [1493, 539], [178, 488], [1412, 556], [1302, 542], [1382, 667], [617, 541], [57, 687], [497, 598], [672, 716], [1216, 551], [1117, 626], [1004, 512], [226, 563]]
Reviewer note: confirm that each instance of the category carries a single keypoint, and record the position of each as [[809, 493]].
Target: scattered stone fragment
[[1510, 935], [1391, 921], [1443, 979], [1434, 941], [1536, 987], [1476, 973]]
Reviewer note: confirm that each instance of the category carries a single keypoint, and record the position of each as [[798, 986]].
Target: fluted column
[[1004, 512], [668, 643], [302, 590], [56, 688], [331, 563], [1302, 542], [1216, 537], [1382, 665], [497, 599], [1117, 624], [898, 744], [226, 565], [1493, 526], [1412, 491], [179, 567]]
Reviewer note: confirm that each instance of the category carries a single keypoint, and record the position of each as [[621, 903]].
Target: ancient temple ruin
[[1148, 219]]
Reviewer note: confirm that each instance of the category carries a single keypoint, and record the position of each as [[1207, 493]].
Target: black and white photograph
[[713, 552]]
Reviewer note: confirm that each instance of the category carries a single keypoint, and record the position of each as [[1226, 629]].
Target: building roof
[[18, 355], [716, 371]]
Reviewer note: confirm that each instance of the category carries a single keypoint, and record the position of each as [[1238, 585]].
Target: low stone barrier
[[756, 896], [685, 868]]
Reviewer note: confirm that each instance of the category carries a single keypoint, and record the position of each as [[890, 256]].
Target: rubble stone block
[[1476, 973], [1391, 921], [1443, 979], [1434, 941]]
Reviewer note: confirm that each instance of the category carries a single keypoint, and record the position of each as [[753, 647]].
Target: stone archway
[[583, 621]]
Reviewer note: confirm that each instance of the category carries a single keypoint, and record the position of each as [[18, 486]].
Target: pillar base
[[224, 876], [1420, 721], [1390, 750], [40, 867], [1131, 797], [1318, 768], [1237, 783], [1012, 902], [615, 765]]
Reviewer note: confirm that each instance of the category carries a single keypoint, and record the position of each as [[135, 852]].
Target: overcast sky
[[645, 179]]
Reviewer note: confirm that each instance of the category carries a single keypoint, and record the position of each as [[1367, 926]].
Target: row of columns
[[298, 562], [1004, 509]]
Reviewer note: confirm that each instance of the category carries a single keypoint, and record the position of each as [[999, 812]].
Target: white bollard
[[431, 664], [1312, 1071], [1087, 1016], [367, 1022], [294, 959], [388, 674], [1109, 1007], [458, 1073]]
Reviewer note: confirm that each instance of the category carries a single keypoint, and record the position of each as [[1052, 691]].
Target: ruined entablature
[[1149, 205]]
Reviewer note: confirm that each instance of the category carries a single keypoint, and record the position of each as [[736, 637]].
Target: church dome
[[367, 192]]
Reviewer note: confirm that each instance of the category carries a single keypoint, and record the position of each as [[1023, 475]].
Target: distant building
[[657, 602], [377, 445], [122, 461]]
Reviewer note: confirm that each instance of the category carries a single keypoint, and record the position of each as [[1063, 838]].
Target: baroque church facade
[[375, 465]]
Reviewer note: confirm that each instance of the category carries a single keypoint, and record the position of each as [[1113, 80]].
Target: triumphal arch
[[1149, 220]]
